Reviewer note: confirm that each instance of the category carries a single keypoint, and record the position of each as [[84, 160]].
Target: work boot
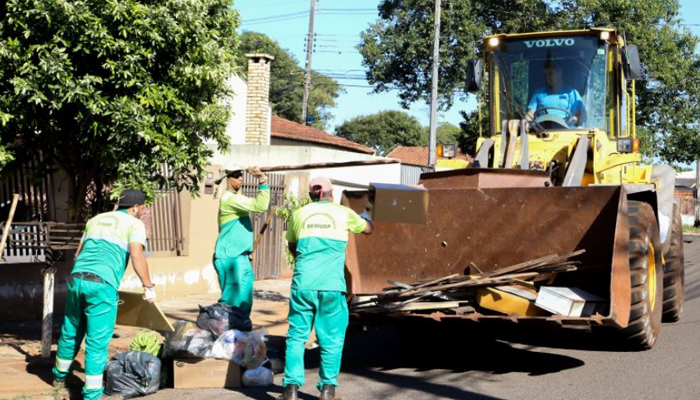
[[60, 392], [290, 393], [328, 393]]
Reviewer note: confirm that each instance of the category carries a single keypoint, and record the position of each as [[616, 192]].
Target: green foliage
[[110, 91], [691, 229], [383, 131], [446, 133], [469, 131], [287, 81], [397, 51], [285, 211]]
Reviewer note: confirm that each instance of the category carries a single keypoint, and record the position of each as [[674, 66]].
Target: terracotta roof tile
[[286, 129], [418, 155]]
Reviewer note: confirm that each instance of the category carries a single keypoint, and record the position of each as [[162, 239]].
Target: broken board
[[133, 310]]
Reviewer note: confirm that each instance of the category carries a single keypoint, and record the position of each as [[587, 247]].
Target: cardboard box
[[205, 373], [133, 310], [570, 302], [399, 203]]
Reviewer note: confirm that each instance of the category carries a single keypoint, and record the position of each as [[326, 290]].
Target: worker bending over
[[235, 241], [91, 307], [317, 235]]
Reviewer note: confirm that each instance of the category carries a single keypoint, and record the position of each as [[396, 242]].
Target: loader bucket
[[499, 227]]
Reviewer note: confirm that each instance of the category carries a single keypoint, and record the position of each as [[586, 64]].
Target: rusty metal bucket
[[499, 227]]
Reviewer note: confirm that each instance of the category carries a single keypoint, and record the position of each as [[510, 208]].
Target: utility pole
[[309, 51], [696, 196], [434, 92]]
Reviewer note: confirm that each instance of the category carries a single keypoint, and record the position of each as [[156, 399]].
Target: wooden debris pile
[[455, 293]]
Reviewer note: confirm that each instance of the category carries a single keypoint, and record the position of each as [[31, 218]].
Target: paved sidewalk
[[23, 375]]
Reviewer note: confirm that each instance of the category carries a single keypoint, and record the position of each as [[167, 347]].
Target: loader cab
[[564, 84], [555, 82], [596, 76]]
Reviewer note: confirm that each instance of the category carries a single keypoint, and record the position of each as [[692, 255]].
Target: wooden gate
[[269, 255]]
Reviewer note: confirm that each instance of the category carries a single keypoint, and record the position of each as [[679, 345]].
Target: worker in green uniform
[[235, 241], [317, 235], [91, 308]]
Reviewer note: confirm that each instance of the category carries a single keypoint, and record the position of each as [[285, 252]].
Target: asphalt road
[[511, 362]]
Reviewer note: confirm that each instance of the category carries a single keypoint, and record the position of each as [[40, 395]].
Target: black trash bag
[[275, 361], [221, 317], [188, 340], [132, 374]]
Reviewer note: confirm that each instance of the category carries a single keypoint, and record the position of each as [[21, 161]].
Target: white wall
[[355, 177], [237, 101]]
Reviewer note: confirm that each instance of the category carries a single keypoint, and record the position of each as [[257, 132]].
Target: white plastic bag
[[260, 376], [224, 347], [246, 349]]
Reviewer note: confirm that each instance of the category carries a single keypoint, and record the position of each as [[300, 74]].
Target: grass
[[691, 229]]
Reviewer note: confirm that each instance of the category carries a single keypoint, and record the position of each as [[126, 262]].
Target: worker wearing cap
[[235, 241], [317, 235], [91, 308]]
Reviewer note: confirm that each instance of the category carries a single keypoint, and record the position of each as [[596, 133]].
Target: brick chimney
[[258, 102]]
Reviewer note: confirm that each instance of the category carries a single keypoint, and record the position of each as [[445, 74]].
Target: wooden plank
[[10, 217], [133, 310], [434, 305], [478, 281]]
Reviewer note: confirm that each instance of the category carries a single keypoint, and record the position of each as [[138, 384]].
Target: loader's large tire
[[646, 278], [674, 271]]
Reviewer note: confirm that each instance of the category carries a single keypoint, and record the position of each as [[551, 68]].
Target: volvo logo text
[[549, 43]]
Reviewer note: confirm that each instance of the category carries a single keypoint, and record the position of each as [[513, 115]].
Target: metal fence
[[687, 202], [35, 195], [410, 174], [164, 224], [269, 255]]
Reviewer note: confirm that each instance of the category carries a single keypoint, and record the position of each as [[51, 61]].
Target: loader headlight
[[625, 145], [605, 36], [494, 41]]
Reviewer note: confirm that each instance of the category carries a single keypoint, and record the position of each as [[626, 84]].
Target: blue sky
[[338, 24]]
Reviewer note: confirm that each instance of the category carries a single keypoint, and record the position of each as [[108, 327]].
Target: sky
[[338, 24]]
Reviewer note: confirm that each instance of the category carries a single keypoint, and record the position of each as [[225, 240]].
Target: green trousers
[[327, 311], [91, 311], [236, 278]]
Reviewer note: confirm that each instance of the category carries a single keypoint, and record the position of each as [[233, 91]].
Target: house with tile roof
[[289, 133], [418, 155]]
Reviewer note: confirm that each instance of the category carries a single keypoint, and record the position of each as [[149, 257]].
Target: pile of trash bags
[[223, 332]]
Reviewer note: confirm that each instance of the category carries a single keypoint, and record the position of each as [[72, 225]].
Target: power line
[[276, 16]]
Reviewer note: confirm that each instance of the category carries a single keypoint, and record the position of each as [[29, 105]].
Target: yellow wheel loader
[[558, 172]]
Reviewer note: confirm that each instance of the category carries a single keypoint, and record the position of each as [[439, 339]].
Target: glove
[[255, 171], [365, 216], [149, 293]]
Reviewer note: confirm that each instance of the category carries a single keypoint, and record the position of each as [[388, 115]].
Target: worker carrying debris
[[235, 241], [317, 235], [91, 307]]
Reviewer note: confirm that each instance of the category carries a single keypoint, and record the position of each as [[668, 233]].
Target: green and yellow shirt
[[106, 240], [320, 231], [235, 228]]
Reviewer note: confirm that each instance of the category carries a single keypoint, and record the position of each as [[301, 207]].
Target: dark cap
[[131, 197]]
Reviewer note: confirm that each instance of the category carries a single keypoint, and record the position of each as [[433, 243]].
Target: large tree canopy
[[383, 131], [287, 82], [398, 54], [110, 91]]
